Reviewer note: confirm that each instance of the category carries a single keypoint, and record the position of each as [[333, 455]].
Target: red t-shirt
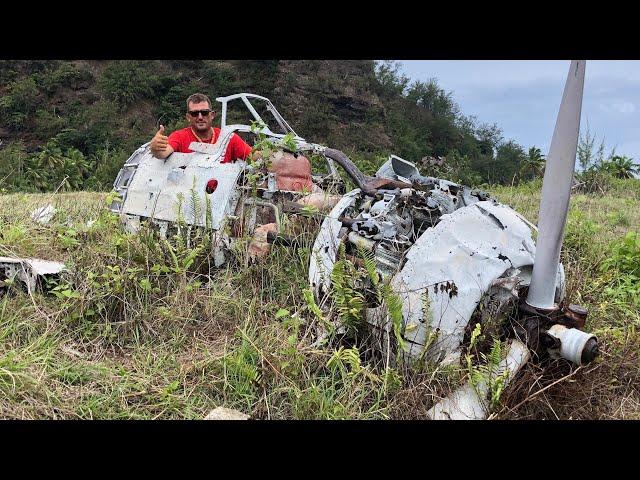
[[237, 148]]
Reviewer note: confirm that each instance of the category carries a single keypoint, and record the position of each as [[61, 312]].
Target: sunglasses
[[195, 113]]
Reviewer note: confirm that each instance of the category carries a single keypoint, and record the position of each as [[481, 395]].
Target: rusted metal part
[[556, 332], [259, 246], [576, 316], [369, 185]]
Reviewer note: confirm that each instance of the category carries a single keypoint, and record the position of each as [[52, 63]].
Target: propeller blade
[[556, 190]]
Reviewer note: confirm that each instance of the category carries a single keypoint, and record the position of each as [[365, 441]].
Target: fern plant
[[195, 203], [349, 300], [487, 374], [346, 362]]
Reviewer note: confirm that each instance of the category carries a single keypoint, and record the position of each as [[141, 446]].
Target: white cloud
[[523, 97], [624, 107]]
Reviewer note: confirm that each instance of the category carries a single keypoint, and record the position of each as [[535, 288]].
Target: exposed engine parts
[[452, 256]]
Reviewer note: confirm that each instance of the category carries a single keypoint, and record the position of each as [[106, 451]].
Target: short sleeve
[[239, 148], [176, 140]]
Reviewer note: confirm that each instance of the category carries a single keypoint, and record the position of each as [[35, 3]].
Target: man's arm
[[241, 149], [160, 147]]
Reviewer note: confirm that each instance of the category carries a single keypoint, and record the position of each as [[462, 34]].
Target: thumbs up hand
[[159, 143]]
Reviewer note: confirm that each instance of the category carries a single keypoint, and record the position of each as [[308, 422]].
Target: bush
[[66, 75], [20, 101], [124, 82], [624, 263], [594, 180]]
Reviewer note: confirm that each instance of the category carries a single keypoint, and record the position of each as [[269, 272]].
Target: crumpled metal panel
[[27, 270], [43, 214], [396, 166], [469, 248], [155, 189], [325, 247]]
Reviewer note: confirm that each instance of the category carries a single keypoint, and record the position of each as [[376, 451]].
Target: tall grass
[[150, 330]]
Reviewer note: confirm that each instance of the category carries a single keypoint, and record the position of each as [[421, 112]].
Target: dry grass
[[142, 342], [610, 388]]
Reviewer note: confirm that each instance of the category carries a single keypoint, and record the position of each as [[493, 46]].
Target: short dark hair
[[198, 98]]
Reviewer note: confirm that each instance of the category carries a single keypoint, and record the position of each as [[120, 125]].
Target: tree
[[429, 95], [620, 166], [507, 163], [533, 165], [390, 80], [489, 137], [588, 155]]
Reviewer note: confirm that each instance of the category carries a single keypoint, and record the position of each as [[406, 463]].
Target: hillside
[[137, 331], [82, 119]]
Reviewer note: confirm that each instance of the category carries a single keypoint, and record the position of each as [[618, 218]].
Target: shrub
[[124, 82], [65, 75], [594, 180], [624, 262], [20, 101]]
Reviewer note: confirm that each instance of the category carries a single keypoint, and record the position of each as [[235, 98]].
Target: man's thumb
[[161, 129]]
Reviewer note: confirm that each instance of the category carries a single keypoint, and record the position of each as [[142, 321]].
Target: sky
[[523, 96]]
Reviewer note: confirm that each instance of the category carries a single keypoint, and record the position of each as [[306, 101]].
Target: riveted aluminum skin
[[159, 187], [470, 248]]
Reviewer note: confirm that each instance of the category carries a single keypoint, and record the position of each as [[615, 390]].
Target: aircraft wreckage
[[453, 255]]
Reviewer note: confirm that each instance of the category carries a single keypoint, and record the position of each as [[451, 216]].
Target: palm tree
[[534, 164], [621, 166]]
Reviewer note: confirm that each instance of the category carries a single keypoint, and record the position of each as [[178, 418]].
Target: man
[[292, 172], [199, 115]]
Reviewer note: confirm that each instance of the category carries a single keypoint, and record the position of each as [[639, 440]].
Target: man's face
[[201, 122]]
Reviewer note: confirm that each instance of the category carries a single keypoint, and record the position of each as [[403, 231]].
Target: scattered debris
[[442, 248], [30, 271], [72, 352], [222, 413], [43, 215]]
